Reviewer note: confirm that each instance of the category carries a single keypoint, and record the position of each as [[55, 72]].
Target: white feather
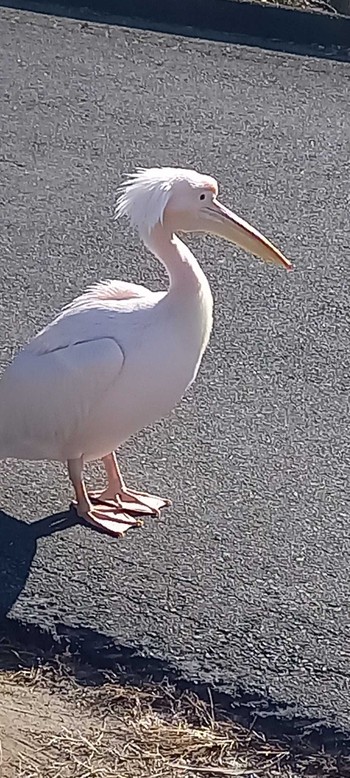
[[145, 194]]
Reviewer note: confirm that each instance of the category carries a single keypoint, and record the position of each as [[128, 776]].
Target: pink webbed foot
[[105, 517], [116, 509], [131, 502]]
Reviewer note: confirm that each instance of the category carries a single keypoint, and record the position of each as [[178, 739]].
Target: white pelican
[[120, 357]]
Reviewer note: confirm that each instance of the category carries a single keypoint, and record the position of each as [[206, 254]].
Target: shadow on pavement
[[310, 34], [94, 658], [18, 545]]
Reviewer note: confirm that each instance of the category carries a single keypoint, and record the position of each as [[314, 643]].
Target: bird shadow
[[18, 545]]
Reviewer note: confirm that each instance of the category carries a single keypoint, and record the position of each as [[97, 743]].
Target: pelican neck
[[181, 265]]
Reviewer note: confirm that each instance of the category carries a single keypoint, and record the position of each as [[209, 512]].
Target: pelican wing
[[52, 392], [48, 399], [91, 315]]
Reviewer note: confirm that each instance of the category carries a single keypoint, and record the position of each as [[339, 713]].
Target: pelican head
[[187, 201]]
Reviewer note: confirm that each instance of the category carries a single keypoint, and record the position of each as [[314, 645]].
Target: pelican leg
[[119, 496], [110, 518]]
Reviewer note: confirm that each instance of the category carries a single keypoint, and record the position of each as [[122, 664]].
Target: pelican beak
[[222, 222]]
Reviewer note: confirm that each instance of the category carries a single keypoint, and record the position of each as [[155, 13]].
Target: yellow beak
[[226, 224]]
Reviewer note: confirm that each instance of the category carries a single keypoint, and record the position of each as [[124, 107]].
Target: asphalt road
[[244, 582]]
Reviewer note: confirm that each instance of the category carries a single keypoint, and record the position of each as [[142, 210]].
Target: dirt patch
[[58, 732], [55, 723]]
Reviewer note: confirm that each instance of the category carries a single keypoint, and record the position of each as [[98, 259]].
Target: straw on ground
[[55, 726]]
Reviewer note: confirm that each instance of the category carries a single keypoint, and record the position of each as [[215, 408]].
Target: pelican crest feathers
[[144, 196]]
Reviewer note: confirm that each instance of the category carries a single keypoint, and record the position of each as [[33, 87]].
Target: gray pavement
[[244, 582]]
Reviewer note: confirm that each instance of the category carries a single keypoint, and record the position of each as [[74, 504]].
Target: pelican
[[120, 357]]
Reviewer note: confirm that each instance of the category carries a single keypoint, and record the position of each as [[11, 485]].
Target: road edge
[[230, 17], [305, 737]]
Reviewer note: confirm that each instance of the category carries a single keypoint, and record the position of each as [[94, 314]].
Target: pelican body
[[120, 357]]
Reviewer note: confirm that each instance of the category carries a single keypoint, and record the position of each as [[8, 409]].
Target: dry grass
[[128, 732], [52, 726], [148, 748], [331, 6]]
